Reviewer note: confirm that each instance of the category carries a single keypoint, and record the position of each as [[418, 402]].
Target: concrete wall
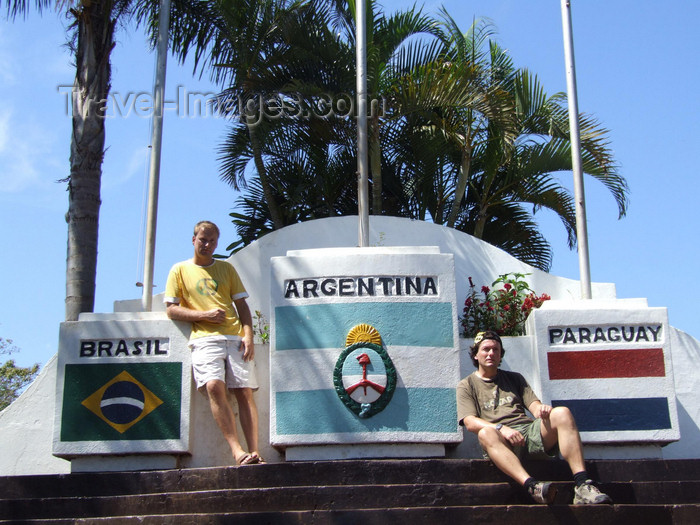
[[26, 427]]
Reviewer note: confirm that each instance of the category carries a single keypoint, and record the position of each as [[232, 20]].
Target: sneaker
[[542, 493], [589, 494]]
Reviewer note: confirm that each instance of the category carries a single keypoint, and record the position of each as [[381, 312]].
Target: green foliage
[[463, 136], [13, 379], [261, 328], [503, 310]]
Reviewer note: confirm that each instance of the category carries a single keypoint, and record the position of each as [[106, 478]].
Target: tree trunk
[[90, 91], [462, 180], [480, 222], [275, 214]]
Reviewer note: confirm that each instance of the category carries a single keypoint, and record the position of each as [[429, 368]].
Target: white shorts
[[221, 358]]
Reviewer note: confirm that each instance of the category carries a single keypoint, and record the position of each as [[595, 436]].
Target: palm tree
[[242, 48], [390, 51], [310, 148], [469, 140], [445, 106], [497, 142], [298, 54], [276, 60], [92, 41], [517, 168]]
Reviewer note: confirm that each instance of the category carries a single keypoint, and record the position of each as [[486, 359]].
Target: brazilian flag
[[121, 402]]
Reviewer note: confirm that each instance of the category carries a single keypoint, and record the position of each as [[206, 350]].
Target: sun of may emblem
[[364, 375]]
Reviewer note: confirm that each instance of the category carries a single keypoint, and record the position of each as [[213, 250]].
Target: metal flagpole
[[156, 143], [579, 194], [362, 156]]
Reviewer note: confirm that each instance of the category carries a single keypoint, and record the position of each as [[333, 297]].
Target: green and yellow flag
[[112, 402]]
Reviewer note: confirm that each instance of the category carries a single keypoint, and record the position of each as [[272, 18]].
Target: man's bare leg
[[224, 416], [561, 428], [502, 455], [494, 444], [248, 413]]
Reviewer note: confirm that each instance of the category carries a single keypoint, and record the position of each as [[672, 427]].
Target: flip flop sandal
[[249, 459]]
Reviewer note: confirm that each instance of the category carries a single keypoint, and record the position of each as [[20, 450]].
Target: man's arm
[[474, 424], [512, 436], [247, 322], [177, 312]]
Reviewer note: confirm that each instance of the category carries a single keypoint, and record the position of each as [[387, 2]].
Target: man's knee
[[215, 387], [561, 416], [488, 437]]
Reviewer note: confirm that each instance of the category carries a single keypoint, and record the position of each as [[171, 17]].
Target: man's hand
[[247, 323], [513, 437], [248, 348], [215, 316], [540, 410], [545, 410]]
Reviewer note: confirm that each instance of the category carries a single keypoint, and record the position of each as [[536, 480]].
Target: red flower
[[504, 308]]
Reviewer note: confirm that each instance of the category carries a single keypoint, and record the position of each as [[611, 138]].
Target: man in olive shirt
[[492, 402]]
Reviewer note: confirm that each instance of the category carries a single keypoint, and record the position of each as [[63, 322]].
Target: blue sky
[[637, 73]]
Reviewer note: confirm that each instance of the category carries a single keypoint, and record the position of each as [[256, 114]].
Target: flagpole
[[362, 155], [156, 147], [579, 193]]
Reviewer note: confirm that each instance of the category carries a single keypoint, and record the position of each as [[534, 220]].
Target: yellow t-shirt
[[204, 288]]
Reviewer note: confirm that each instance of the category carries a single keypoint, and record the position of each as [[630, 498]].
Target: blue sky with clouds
[[637, 73]]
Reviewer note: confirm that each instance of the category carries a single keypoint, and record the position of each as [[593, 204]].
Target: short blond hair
[[206, 225]]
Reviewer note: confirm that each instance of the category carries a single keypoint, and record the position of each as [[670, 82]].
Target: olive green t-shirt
[[502, 399]]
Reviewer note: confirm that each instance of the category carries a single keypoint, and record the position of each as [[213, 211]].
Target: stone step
[[336, 497], [501, 515], [354, 491], [346, 472]]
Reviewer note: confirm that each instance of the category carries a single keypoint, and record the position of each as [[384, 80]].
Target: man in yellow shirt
[[204, 291]]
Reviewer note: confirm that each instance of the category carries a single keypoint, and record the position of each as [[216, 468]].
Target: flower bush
[[503, 309]]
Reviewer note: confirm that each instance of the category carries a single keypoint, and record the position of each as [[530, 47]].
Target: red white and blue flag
[[612, 369]]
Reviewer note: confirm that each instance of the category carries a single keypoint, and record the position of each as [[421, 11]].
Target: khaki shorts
[[533, 448], [221, 358]]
